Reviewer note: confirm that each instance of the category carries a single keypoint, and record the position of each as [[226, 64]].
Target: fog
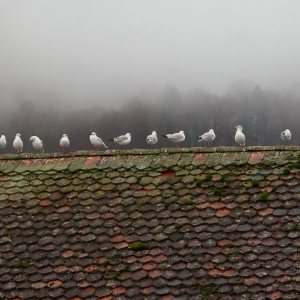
[[103, 52]]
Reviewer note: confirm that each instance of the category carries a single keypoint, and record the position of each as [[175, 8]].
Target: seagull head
[[18, 134], [64, 135], [94, 133], [32, 139], [128, 134], [3, 137], [240, 128]]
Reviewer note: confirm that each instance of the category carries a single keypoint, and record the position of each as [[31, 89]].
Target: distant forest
[[262, 113]]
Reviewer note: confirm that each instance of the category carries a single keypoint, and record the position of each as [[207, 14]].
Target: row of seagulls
[[124, 140]]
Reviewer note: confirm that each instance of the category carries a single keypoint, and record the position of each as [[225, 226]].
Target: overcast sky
[[106, 51]]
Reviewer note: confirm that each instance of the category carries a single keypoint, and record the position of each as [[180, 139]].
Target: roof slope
[[157, 224]]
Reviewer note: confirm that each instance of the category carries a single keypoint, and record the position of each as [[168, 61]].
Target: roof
[[216, 223]]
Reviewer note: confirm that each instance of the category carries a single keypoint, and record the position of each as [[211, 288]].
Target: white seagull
[[64, 142], [239, 136], [152, 139], [286, 135], [18, 144], [2, 143], [122, 140], [175, 137], [207, 137], [37, 144], [97, 142]]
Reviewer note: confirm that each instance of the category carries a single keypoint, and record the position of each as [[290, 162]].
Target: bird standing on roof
[[37, 144], [152, 139], [97, 142], [240, 138], [175, 137], [2, 143], [64, 142], [286, 135], [207, 137], [122, 140], [18, 144]]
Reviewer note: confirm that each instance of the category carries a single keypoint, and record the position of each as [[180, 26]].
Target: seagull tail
[[164, 136], [111, 140]]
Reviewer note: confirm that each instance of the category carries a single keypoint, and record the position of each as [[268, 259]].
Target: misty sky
[[106, 51]]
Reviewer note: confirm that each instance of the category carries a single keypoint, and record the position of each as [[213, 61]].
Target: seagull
[[152, 139], [122, 140], [207, 137], [64, 142], [18, 144], [176, 137], [239, 136], [37, 144], [2, 143], [286, 135], [97, 142]]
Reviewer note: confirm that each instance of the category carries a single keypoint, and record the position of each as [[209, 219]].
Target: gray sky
[[106, 51]]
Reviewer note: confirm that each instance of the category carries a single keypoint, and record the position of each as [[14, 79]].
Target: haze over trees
[[263, 114]]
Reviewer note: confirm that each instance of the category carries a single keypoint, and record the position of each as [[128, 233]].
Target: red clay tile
[[121, 245], [60, 269], [168, 173], [204, 205], [119, 290], [54, 283], [208, 265], [148, 290], [269, 242], [217, 205], [168, 297], [266, 211], [91, 268], [83, 284], [130, 259], [284, 278], [256, 158], [215, 272], [45, 202], [225, 242], [145, 258], [160, 258], [68, 253], [62, 209], [150, 266], [222, 212], [118, 238], [275, 295], [156, 273], [253, 241], [108, 215]]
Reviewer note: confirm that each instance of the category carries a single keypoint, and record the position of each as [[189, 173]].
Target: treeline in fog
[[262, 113]]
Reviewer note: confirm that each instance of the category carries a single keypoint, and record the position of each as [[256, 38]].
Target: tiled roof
[[199, 223]]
